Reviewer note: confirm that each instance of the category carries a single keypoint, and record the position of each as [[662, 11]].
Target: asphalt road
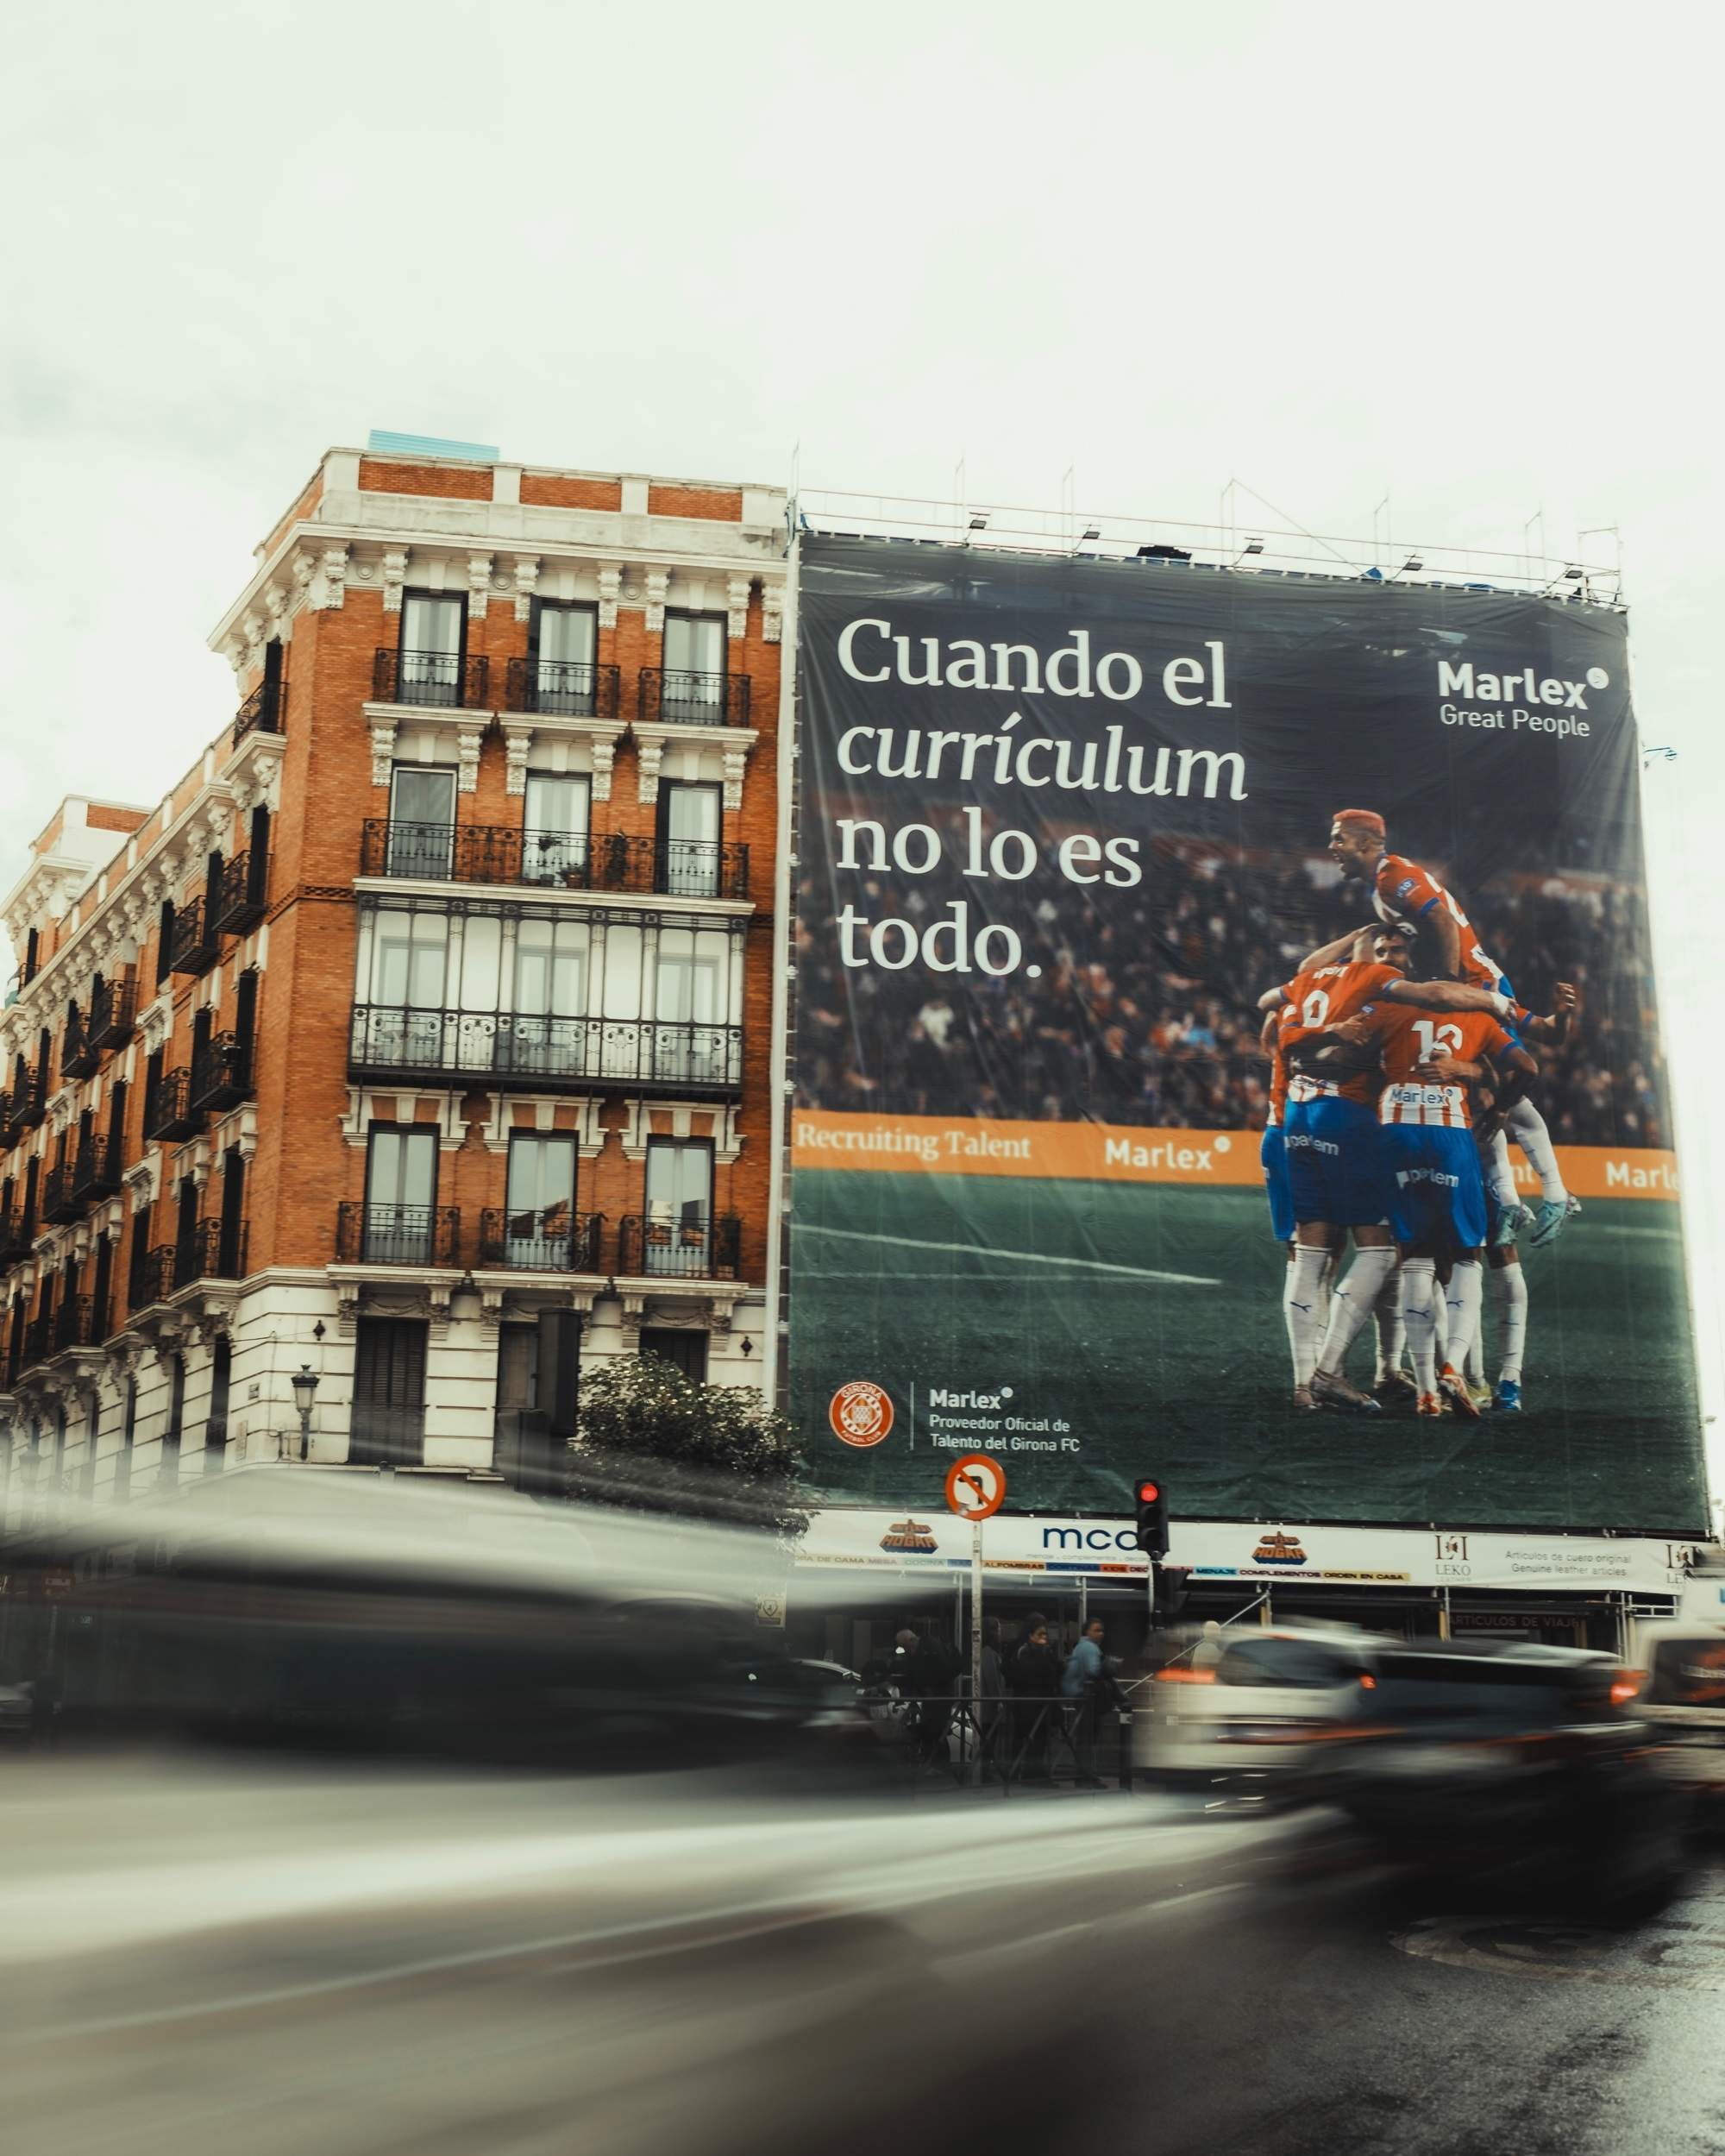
[[280, 1958]]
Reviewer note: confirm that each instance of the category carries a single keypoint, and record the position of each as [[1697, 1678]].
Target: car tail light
[[1185, 1676], [1626, 1685], [1367, 1682]]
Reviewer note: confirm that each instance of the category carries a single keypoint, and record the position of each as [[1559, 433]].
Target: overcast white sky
[[1462, 257]]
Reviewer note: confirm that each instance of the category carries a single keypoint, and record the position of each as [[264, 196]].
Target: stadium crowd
[[1143, 1010]]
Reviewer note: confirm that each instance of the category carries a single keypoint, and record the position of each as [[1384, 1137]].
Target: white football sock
[[1305, 1321], [1462, 1300], [1420, 1303], [1290, 1318], [1392, 1335], [1440, 1320], [1473, 1364], [1535, 1141], [1500, 1176], [1512, 1287], [1352, 1303]]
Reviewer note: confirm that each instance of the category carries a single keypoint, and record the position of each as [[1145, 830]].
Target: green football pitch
[[1148, 1318]]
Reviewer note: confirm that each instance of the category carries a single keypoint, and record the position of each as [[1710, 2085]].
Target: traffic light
[[1152, 1517]]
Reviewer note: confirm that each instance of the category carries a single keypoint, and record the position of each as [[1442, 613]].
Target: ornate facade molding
[[383, 750], [736, 591], [656, 582], [367, 1104], [394, 574], [588, 1132], [610, 593], [720, 1119], [526, 579], [772, 609], [479, 585], [143, 1179], [155, 1021]]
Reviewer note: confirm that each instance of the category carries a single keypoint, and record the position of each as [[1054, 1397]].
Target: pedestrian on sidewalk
[[1035, 1678], [1088, 1683]]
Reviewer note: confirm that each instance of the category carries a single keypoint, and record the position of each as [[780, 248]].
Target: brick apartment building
[[436, 996]]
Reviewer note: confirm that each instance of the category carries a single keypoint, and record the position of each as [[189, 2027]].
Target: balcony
[[695, 1246], [191, 948], [168, 1114], [221, 1075], [58, 1205], [430, 680], [239, 898], [398, 1235], [28, 1100], [691, 699], [545, 1053], [113, 1012], [264, 711], [74, 1324], [553, 1241], [561, 689], [208, 1251], [15, 1237], [78, 1055], [38, 1341], [96, 1170], [562, 860]]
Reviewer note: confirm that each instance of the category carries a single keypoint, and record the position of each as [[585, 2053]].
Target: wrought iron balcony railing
[[96, 1170], [38, 1341], [58, 1205], [563, 688], [221, 1075], [264, 711], [692, 699], [28, 1100], [444, 679], [566, 860], [192, 947], [679, 1246], [74, 1324], [215, 1251], [508, 1049], [168, 1114], [77, 1052], [398, 1235], [240, 899], [113, 1012], [14, 1241], [553, 1240]]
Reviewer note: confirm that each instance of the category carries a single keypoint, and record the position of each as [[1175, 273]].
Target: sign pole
[[976, 1652]]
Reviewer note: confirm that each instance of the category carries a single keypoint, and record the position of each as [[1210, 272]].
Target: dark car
[[1500, 1762]]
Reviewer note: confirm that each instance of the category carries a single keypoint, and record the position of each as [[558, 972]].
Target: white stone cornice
[[589, 1133], [328, 589], [143, 1179], [237, 1133], [62, 1107], [253, 771], [155, 1020], [367, 1104], [654, 735], [720, 1119]]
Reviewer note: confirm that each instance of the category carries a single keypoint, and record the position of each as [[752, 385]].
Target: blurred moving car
[[17, 1710], [1494, 1761], [1258, 1717], [1681, 1667]]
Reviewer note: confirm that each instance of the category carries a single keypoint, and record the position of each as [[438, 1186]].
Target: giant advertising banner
[[1104, 865]]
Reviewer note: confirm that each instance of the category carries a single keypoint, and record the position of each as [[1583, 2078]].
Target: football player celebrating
[[1432, 1164], [1403, 891], [1334, 1154]]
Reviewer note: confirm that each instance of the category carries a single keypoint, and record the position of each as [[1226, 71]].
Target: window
[[137, 1277], [230, 1258], [540, 1213], [388, 1423], [122, 1464], [215, 1426], [694, 668], [164, 943], [689, 817], [421, 820], [684, 1350], [433, 631], [401, 1192], [186, 1251], [564, 640], [678, 1205], [689, 1039], [554, 844], [153, 1078], [32, 1174], [102, 1295], [409, 959], [176, 1419]]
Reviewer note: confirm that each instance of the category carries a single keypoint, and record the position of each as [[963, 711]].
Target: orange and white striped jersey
[[1315, 1001], [1278, 1085], [1408, 1037], [1402, 890]]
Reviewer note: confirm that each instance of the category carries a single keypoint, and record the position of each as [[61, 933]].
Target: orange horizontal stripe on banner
[[943, 1145]]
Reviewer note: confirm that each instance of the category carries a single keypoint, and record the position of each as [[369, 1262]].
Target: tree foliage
[[651, 1440]]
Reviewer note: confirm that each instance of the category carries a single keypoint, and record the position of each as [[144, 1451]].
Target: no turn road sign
[[975, 1486]]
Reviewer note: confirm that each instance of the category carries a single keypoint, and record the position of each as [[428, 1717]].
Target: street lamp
[[305, 1391]]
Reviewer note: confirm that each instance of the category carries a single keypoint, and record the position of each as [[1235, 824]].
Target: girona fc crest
[[861, 1413]]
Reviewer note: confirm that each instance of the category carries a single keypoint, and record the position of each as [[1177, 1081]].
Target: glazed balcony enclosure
[[548, 999]]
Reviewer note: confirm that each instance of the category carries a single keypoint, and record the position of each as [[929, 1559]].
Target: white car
[[1267, 1707], [1682, 1694]]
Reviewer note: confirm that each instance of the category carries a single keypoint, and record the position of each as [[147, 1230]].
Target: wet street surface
[[364, 1964]]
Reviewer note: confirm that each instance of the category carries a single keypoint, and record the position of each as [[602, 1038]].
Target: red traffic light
[[1148, 1493]]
